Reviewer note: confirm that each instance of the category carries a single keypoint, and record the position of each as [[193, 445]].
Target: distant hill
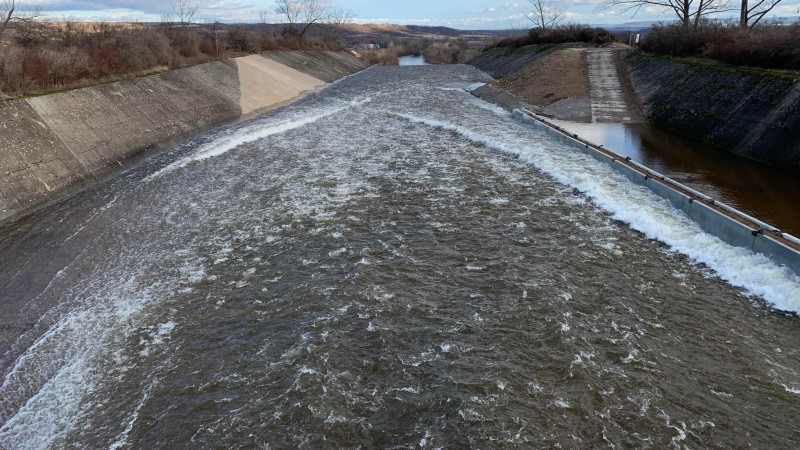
[[646, 25], [383, 34]]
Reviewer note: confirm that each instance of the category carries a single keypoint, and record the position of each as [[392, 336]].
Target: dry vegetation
[[389, 56], [450, 52], [767, 46], [559, 35], [46, 56]]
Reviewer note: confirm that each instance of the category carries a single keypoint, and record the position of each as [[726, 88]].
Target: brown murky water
[[764, 192], [389, 263]]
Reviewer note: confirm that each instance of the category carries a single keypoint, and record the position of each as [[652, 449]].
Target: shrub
[[243, 41], [12, 80], [288, 42], [767, 46], [443, 53], [382, 56], [560, 35]]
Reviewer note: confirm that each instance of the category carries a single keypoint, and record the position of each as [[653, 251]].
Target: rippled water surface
[[388, 263]]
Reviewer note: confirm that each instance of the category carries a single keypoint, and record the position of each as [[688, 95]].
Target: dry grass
[[45, 57], [560, 35], [768, 46]]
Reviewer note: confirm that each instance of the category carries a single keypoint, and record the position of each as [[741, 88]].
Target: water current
[[387, 263]]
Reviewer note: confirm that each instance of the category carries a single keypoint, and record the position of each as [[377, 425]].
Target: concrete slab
[[576, 109], [34, 162], [609, 103], [265, 82]]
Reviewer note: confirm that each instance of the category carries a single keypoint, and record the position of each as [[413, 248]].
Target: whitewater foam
[[237, 137], [641, 210]]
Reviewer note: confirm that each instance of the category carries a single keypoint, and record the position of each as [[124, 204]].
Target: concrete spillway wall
[[751, 114], [53, 144], [726, 223]]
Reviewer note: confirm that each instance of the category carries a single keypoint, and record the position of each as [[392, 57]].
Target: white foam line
[[645, 212], [238, 137], [122, 439]]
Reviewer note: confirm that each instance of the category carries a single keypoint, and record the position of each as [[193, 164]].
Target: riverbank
[[753, 114], [57, 144], [611, 118]]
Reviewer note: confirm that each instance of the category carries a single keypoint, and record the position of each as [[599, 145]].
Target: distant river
[[411, 60], [388, 263]]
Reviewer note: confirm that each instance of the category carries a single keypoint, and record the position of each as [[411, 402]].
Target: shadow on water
[[764, 192]]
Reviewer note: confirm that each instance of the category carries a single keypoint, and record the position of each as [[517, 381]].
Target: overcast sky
[[464, 14]]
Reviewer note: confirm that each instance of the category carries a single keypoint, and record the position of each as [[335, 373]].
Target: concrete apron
[[732, 226]]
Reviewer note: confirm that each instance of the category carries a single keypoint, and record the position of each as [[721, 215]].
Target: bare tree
[[302, 14], [337, 22], [184, 10], [545, 14], [11, 12], [750, 15], [216, 31], [689, 12]]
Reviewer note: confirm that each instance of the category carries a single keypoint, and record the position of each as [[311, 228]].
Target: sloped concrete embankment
[[58, 143], [500, 62], [754, 115]]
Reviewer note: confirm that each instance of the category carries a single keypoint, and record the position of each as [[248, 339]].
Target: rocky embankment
[[54, 144], [752, 114]]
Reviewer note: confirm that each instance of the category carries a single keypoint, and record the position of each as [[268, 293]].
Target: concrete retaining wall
[[712, 219], [754, 115], [53, 144]]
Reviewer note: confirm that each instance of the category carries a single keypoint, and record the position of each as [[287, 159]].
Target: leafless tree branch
[[12, 12], [689, 12], [545, 14]]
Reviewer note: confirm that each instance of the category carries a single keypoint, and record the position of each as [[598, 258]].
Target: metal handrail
[[763, 225]]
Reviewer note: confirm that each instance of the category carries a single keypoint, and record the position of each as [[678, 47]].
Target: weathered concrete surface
[[754, 115], [606, 89], [264, 82], [575, 109], [104, 125], [34, 162], [326, 66], [56, 143]]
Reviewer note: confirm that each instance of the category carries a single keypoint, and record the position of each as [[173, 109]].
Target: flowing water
[[770, 194], [388, 263]]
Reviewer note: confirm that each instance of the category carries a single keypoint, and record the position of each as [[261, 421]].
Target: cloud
[[494, 9]]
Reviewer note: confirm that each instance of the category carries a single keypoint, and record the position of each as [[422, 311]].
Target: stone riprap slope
[[53, 144], [754, 115]]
